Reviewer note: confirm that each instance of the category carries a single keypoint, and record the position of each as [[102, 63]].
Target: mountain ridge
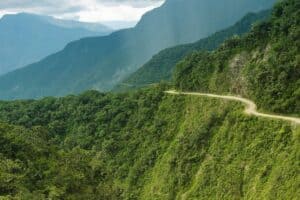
[[25, 38], [160, 66], [262, 65], [99, 63], [149, 145], [94, 27]]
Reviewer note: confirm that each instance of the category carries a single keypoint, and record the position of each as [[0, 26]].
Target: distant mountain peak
[[23, 16], [26, 38], [101, 62]]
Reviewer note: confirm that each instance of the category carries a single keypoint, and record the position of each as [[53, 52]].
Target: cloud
[[53, 3], [134, 3], [83, 10], [40, 6]]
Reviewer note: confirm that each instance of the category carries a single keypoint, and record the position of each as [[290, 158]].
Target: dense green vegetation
[[102, 62], [263, 65], [150, 145], [161, 66], [144, 145]]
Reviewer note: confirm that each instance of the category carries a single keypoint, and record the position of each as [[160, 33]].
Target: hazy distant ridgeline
[[160, 67], [27, 38], [101, 62]]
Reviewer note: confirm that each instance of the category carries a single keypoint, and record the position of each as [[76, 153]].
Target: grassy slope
[[222, 154], [149, 145], [145, 145]]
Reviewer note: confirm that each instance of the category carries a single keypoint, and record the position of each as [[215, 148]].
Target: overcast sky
[[103, 11]]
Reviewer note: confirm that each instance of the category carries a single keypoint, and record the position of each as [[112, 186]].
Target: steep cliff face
[[144, 145], [263, 65], [148, 144]]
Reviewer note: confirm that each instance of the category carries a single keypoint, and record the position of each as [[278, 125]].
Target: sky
[[110, 12]]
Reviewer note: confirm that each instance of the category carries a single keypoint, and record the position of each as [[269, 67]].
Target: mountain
[[161, 66], [144, 145], [101, 62], [263, 65], [26, 38], [94, 27], [121, 24], [150, 145]]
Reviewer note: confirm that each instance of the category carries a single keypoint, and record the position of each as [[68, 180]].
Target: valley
[[104, 119]]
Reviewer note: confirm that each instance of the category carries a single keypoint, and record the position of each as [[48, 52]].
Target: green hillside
[[149, 145], [161, 66], [144, 145], [263, 65]]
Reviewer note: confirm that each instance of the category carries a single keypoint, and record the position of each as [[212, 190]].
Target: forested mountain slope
[[144, 145], [101, 62], [264, 65], [149, 145], [26, 38], [161, 66]]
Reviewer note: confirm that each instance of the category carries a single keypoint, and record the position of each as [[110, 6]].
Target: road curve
[[251, 108]]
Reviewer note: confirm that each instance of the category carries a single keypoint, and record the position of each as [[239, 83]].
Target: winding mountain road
[[251, 108]]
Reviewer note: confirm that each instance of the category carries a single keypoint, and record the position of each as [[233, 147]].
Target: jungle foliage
[[147, 144], [143, 145], [263, 65]]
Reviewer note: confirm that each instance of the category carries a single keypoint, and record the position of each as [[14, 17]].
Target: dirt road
[[251, 108]]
